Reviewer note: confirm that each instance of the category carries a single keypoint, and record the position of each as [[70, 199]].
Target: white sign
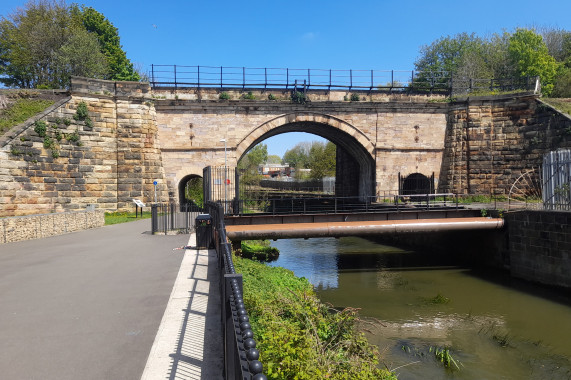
[[139, 203]]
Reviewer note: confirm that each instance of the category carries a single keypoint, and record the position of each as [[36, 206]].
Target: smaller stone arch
[[182, 187], [416, 183]]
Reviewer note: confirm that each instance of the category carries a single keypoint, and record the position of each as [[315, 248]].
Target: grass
[[123, 217], [561, 104], [21, 111]]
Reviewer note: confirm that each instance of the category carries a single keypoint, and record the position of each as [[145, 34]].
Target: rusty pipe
[[361, 228]]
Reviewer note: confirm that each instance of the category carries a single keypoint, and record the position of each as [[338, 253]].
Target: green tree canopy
[[47, 41], [248, 164], [120, 68], [274, 159], [322, 160], [530, 57], [298, 156]]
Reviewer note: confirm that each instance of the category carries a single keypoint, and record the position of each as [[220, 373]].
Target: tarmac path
[[85, 305]]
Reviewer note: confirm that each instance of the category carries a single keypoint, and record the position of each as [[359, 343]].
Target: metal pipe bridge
[[307, 226]]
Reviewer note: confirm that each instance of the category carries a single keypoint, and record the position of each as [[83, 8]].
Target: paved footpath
[[88, 305]]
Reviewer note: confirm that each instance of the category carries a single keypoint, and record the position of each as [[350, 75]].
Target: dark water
[[496, 327]]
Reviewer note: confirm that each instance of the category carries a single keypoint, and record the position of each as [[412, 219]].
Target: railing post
[[308, 77], [372, 81], [152, 75], [243, 77], [350, 79], [265, 77], [175, 84], [198, 76], [287, 78], [154, 221]]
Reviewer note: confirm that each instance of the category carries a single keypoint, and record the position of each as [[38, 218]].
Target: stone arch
[[353, 143], [182, 185], [417, 183]]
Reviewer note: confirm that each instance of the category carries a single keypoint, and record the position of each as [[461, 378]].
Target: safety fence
[[240, 352], [173, 217], [556, 180], [179, 76]]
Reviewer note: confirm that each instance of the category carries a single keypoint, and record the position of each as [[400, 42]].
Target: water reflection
[[498, 328]]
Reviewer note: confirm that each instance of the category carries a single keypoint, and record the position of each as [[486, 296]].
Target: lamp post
[[225, 174]]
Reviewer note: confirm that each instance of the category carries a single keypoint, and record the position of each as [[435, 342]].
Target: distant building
[[275, 170]]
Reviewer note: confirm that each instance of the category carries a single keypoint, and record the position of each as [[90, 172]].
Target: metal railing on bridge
[[222, 77]]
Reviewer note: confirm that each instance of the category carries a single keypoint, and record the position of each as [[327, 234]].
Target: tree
[[298, 156], [530, 57], [322, 160], [120, 68], [44, 43], [80, 56], [445, 54], [30, 40], [274, 159], [248, 164]]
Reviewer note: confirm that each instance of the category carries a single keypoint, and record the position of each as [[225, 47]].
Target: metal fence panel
[[557, 180]]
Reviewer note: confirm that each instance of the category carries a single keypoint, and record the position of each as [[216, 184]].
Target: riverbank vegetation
[[298, 336], [259, 250]]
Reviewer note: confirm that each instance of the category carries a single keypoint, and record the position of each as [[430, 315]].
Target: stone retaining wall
[[29, 227], [491, 141]]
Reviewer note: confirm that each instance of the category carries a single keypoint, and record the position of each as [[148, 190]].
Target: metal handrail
[[240, 353], [325, 79]]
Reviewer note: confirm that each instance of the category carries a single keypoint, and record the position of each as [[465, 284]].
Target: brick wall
[[29, 227], [540, 246]]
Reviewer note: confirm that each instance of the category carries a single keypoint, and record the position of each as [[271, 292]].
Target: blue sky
[[317, 34]]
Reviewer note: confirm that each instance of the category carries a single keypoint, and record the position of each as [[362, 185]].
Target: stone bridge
[[136, 136]]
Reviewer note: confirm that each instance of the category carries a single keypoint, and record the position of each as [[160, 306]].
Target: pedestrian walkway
[[88, 305], [189, 343]]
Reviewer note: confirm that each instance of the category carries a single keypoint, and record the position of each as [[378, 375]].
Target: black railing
[[332, 204], [328, 79], [167, 217], [240, 352], [291, 79]]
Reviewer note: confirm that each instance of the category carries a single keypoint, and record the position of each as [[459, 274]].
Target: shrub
[[224, 96], [355, 97], [298, 97], [40, 127], [249, 96]]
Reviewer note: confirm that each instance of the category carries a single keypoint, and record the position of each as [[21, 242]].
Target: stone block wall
[[29, 227], [491, 141], [106, 159], [540, 246]]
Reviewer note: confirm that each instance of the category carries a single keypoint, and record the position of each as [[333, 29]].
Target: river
[[412, 303]]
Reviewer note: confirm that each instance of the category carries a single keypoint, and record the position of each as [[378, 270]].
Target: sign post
[[155, 184], [138, 204]]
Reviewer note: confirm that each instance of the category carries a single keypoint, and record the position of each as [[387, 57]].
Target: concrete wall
[[540, 246], [29, 227]]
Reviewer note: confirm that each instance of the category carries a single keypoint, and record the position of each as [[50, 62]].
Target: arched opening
[[416, 183], [355, 165], [190, 190]]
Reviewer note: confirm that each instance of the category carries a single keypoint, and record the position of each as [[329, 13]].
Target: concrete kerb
[[188, 344]]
